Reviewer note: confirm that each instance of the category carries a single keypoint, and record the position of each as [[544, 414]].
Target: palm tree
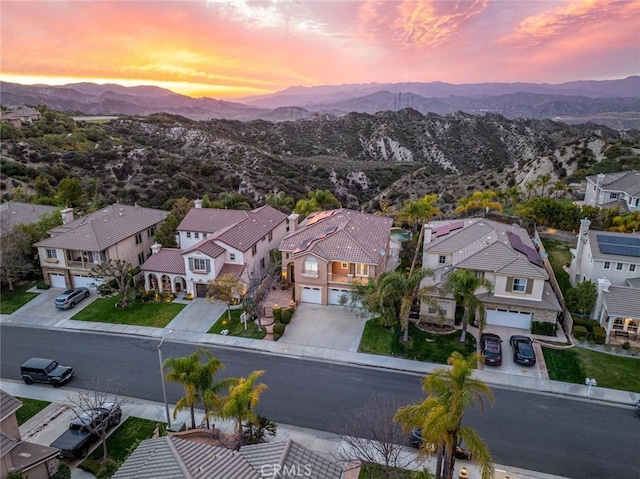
[[241, 402], [629, 223], [280, 201], [318, 200], [234, 201], [559, 186], [485, 200], [543, 181], [185, 371], [210, 389], [464, 205], [386, 209], [514, 195], [529, 186], [449, 392], [463, 284], [421, 210]]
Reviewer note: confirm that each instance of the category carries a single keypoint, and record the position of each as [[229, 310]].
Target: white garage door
[[57, 280], [335, 296], [510, 319], [86, 281], [311, 295]]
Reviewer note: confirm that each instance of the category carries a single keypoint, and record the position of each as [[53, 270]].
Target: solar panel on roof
[[621, 245], [456, 225], [516, 242], [533, 256], [303, 246]]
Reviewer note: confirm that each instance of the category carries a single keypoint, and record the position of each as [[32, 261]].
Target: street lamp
[[164, 389]]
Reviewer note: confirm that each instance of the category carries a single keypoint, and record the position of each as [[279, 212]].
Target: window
[[188, 234], [442, 259], [613, 196], [310, 266], [254, 250], [433, 310], [196, 235], [264, 238], [478, 274], [607, 265], [52, 254], [232, 256], [344, 265], [204, 235], [140, 258], [270, 235], [632, 267], [151, 232], [262, 263], [362, 270], [139, 238], [103, 256], [619, 266], [199, 264], [519, 285]]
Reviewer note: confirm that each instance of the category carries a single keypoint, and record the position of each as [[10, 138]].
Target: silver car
[[71, 297]]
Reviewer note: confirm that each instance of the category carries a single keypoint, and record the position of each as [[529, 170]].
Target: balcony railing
[[345, 278], [80, 265]]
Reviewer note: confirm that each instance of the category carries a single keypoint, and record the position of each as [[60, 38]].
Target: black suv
[[71, 297], [523, 352], [491, 349], [40, 370]]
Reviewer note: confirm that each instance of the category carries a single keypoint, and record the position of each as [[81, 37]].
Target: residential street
[[567, 437]]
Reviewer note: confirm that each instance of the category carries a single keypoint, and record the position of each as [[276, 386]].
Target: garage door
[[57, 280], [510, 319], [201, 290], [335, 296], [86, 281], [311, 295]]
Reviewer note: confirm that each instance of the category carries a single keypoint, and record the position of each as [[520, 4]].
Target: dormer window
[[519, 285]]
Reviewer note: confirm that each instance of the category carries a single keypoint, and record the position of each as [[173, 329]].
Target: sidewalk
[[323, 443], [538, 385]]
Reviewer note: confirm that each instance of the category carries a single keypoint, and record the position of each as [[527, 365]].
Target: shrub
[[276, 336], [64, 472], [626, 345], [544, 328], [287, 314], [108, 469], [279, 328], [42, 285], [277, 314], [587, 323], [599, 334], [580, 333]]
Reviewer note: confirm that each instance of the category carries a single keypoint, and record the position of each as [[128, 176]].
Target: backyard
[[154, 314], [235, 327], [11, 301], [559, 255]]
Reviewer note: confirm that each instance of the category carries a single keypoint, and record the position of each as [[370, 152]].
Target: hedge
[[287, 314], [543, 328], [587, 323], [599, 334], [279, 328], [580, 332], [277, 314]]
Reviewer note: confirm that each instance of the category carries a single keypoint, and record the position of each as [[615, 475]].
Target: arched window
[[310, 266]]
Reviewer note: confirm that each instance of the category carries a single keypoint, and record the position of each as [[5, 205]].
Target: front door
[[292, 274]]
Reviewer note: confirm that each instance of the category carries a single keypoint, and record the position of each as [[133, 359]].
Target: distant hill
[[613, 103]]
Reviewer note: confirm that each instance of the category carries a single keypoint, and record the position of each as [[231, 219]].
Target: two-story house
[[611, 261], [329, 250], [614, 189], [33, 460], [503, 254], [215, 242], [119, 232]]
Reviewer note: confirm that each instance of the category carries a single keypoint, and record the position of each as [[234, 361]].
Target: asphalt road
[[567, 437]]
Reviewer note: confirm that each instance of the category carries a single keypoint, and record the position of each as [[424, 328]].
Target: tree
[[318, 200], [419, 211], [450, 390], [464, 205], [241, 402], [559, 186], [257, 433], [89, 401], [627, 223], [43, 188], [529, 186], [234, 201], [166, 232], [15, 260], [281, 201], [582, 298], [116, 271], [70, 192], [485, 200], [225, 288], [210, 389], [543, 181], [463, 284], [514, 195]]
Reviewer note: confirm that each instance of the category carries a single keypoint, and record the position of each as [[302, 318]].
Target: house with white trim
[[610, 260], [214, 242], [118, 232], [614, 189], [505, 255]]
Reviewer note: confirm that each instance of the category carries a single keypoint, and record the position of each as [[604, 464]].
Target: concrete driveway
[[43, 305], [508, 366], [329, 327]]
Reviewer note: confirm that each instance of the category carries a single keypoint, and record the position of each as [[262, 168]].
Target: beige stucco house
[[215, 242], [329, 250], [119, 232]]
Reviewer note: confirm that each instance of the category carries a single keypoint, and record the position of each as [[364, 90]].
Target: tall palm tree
[[464, 205], [529, 186], [514, 195], [234, 201], [280, 201], [485, 200], [386, 209], [318, 200], [450, 390], [241, 402], [543, 181], [559, 186], [463, 284], [185, 371], [414, 212], [628, 223], [209, 389]]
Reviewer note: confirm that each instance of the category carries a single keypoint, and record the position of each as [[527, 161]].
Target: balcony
[[345, 278], [80, 265]]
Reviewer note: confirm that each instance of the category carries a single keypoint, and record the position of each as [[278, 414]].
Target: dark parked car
[[40, 370], [491, 349], [523, 350], [89, 426], [416, 441], [71, 297]]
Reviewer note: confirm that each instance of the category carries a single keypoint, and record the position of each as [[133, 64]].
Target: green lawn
[[11, 301], [376, 471], [29, 408], [559, 255], [130, 432], [103, 310], [434, 348], [610, 371], [235, 327]]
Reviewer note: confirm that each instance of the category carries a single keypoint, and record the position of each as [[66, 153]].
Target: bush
[[64, 472], [277, 314], [41, 285], [287, 314], [279, 328], [626, 345], [599, 334], [580, 333], [544, 328], [276, 336], [108, 469], [587, 323]]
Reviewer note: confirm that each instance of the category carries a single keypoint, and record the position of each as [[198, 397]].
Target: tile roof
[[101, 229], [207, 246], [7, 443], [229, 268], [13, 213], [634, 282], [341, 235], [167, 260], [595, 246], [173, 457], [210, 220], [627, 181], [622, 302], [8, 404]]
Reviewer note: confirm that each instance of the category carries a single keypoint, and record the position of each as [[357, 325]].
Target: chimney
[[67, 216], [155, 248], [292, 222], [603, 287], [198, 203], [427, 233], [599, 196]]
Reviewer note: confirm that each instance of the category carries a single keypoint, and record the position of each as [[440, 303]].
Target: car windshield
[[51, 366], [526, 350]]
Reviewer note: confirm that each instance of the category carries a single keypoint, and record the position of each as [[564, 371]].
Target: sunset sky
[[235, 48]]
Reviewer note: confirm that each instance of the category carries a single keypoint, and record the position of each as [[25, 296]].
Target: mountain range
[[613, 103]]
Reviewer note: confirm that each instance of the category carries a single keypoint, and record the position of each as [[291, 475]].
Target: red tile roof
[[228, 268], [167, 260]]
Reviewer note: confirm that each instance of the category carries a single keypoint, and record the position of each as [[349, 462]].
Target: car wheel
[[56, 384], [28, 380], [84, 452], [72, 305], [86, 294]]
